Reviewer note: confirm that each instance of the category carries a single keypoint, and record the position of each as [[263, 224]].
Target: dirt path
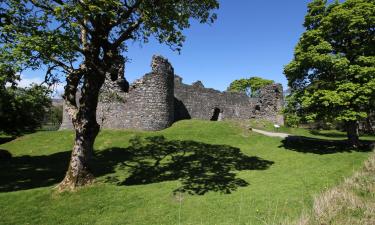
[[271, 134]]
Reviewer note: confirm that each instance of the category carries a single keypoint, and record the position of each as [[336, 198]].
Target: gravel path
[[271, 134]]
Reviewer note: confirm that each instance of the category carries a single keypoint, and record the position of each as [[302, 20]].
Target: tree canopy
[[332, 75], [249, 86]]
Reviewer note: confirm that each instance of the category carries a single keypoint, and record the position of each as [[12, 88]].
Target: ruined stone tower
[[147, 104]]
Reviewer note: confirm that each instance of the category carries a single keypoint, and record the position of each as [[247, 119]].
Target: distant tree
[[332, 75], [291, 117], [249, 86], [23, 109], [85, 40], [257, 83], [53, 118], [241, 85]]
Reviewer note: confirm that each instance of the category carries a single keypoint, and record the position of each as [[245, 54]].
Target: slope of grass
[[196, 172], [351, 202]]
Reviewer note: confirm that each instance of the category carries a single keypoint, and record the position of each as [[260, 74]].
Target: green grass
[[325, 134], [5, 138], [235, 177], [351, 202]]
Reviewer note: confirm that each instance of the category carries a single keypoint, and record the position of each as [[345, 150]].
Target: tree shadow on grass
[[6, 139], [321, 146], [328, 134], [200, 167], [27, 172]]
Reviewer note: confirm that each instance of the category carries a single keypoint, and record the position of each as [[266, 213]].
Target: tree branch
[[65, 67], [45, 7], [70, 91], [126, 34], [128, 13]]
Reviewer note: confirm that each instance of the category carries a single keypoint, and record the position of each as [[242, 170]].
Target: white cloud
[[26, 82], [57, 89]]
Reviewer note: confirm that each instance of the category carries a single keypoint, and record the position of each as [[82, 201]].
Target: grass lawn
[[196, 172], [325, 134]]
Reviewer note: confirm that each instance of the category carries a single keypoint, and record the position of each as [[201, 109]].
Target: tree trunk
[[369, 126], [79, 173], [352, 133], [86, 130]]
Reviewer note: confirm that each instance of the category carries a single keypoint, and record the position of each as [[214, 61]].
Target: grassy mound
[[196, 172]]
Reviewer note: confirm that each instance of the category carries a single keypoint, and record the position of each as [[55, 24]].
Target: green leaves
[[58, 33], [249, 86], [23, 109], [333, 70]]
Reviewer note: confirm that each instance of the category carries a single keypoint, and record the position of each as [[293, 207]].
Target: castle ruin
[[159, 98]]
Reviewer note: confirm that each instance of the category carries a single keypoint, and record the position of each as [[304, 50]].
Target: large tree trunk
[[352, 133], [79, 173], [86, 130]]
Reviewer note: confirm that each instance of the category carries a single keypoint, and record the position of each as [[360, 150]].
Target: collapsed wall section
[[196, 101], [270, 103]]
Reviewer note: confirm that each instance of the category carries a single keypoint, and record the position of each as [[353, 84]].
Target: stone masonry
[[160, 98]]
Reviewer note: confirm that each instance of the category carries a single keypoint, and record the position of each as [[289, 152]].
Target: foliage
[[333, 71], [23, 109], [7, 76], [56, 114], [249, 86], [292, 120], [53, 118], [332, 75], [291, 111], [281, 192], [59, 33]]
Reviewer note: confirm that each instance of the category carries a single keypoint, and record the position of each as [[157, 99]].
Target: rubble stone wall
[[196, 101]]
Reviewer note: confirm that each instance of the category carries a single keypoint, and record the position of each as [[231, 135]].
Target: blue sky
[[249, 38]]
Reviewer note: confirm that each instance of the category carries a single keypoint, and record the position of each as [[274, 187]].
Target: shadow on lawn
[[328, 134], [321, 146], [4, 140], [26, 172], [200, 167]]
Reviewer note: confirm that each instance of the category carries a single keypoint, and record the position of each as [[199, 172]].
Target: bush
[[23, 109], [53, 118], [292, 120]]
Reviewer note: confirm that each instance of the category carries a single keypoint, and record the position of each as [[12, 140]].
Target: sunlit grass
[[272, 195]]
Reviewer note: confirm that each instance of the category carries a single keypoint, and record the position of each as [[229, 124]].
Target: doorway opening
[[216, 114]]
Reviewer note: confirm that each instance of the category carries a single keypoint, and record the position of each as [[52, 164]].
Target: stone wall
[[269, 105], [159, 98], [196, 101]]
